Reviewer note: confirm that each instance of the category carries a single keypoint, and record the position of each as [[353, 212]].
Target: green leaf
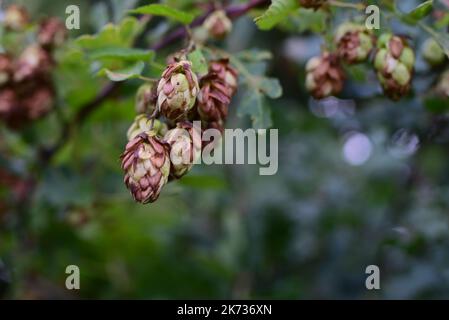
[[133, 71], [199, 63], [121, 35], [309, 19], [276, 12], [129, 54], [253, 104], [165, 11], [420, 11], [271, 87]]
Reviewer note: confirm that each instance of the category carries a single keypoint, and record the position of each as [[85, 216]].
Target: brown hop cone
[[146, 164], [354, 43], [32, 62], [312, 4], [324, 77], [8, 104], [185, 147], [177, 90], [225, 73], [38, 102], [52, 33], [394, 63], [16, 18], [218, 25], [25, 102], [214, 98], [146, 99], [5, 68]]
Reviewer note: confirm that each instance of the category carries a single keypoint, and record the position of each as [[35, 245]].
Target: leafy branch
[[233, 12]]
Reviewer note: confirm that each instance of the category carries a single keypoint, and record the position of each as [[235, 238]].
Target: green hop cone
[[142, 124], [394, 64], [185, 147], [146, 99], [354, 42], [146, 164], [433, 53], [177, 90]]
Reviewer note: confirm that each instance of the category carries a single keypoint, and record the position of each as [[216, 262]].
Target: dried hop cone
[[394, 63], [143, 124], [313, 4], [16, 18], [52, 33], [146, 164], [218, 25], [146, 99], [33, 61], [324, 77], [177, 90], [225, 73], [6, 63], [214, 98], [354, 42], [185, 147], [433, 53]]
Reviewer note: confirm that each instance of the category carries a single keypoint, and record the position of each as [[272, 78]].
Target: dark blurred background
[[361, 181]]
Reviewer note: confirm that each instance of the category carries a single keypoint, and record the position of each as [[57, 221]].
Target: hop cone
[[313, 4], [15, 18], [324, 76], [225, 73], [433, 53], [177, 90], [147, 165], [143, 124], [32, 62], [146, 99], [218, 25], [185, 146], [354, 43], [214, 98], [394, 63], [52, 33], [25, 102]]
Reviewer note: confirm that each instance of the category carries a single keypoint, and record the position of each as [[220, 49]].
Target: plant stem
[[341, 4]]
